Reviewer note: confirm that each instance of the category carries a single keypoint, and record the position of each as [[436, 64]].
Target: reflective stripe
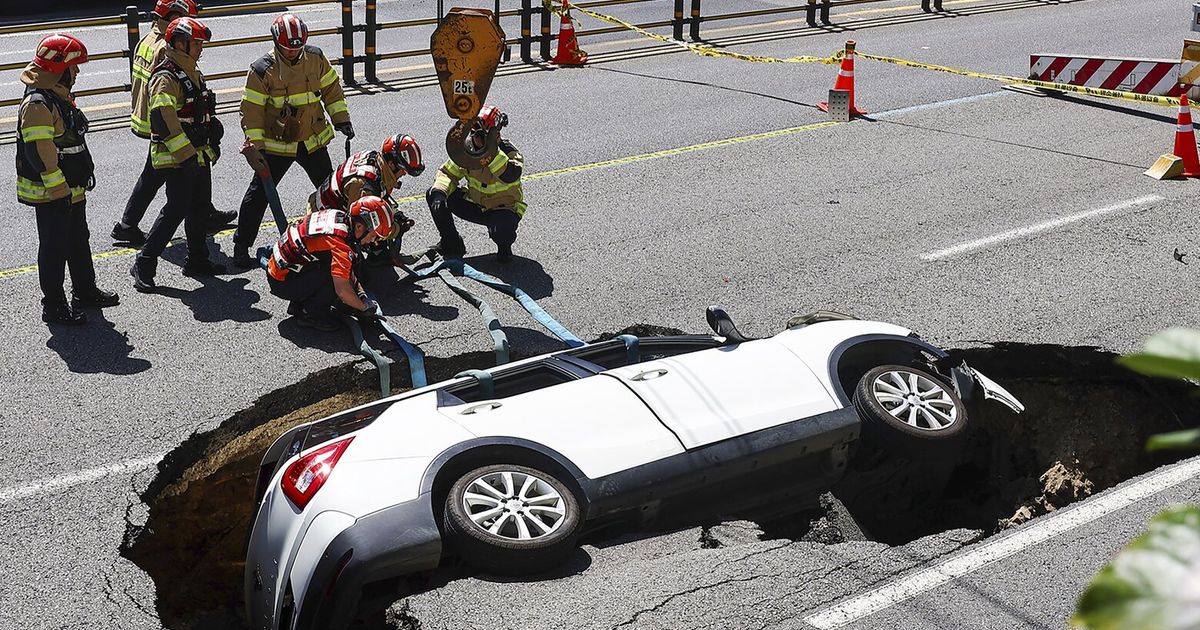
[[79, 148], [175, 143], [312, 143], [298, 99], [320, 138], [329, 79], [53, 178], [139, 125], [37, 132], [253, 97], [490, 189], [163, 100], [30, 191], [160, 157], [338, 107], [455, 170], [280, 148], [498, 163], [141, 73], [256, 134]]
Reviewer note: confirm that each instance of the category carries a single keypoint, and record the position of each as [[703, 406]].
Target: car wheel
[[511, 519], [908, 411]]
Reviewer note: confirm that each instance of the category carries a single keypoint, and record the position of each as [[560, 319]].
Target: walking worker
[[312, 263], [150, 52], [374, 174], [184, 144], [54, 173], [282, 115], [492, 195]]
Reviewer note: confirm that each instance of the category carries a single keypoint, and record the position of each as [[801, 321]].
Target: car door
[[721, 393], [595, 422]]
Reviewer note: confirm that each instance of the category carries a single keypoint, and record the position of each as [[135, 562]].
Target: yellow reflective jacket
[[150, 52], [177, 109], [282, 102], [491, 188], [40, 127]]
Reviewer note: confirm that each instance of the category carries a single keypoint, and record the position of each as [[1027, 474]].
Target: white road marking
[[1037, 532], [33, 35], [1052, 224], [55, 484], [923, 106]]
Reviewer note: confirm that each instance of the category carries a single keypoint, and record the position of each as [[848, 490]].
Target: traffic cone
[[1185, 140], [845, 81], [568, 53]]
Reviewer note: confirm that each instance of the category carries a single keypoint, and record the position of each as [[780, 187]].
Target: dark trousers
[[501, 223], [144, 192], [63, 242], [254, 203], [312, 287], [189, 195]]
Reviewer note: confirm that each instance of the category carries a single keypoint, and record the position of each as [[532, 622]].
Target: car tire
[[493, 525], [910, 412]]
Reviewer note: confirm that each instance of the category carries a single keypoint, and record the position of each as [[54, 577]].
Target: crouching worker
[[373, 174], [312, 263]]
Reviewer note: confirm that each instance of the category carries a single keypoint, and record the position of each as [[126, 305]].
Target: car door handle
[[649, 375], [487, 406]]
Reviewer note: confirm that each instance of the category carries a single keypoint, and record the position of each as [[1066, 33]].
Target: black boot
[[218, 220], [62, 313], [132, 235], [242, 259], [143, 274], [452, 248], [202, 268], [96, 297]]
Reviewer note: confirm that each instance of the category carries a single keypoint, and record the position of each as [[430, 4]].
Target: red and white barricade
[[1159, 77]]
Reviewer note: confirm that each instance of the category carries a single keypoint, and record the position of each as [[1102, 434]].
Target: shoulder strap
[[263, 65]]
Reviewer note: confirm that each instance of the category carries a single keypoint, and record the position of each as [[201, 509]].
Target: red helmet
[[375, 214], [403, 151], [289, 32], [188, 27], [164, 8], [55, 53], [490, 117]]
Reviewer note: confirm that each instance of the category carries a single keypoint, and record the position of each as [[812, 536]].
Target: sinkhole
[[1086, 422]]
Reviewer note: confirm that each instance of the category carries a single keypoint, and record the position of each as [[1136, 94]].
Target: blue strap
[[499, 339], [530, 305], [416, 358], [632, 354], [281, 221], [381, 362], [487, 385]]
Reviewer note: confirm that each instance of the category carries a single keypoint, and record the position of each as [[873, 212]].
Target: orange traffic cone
[[568, 53], [1185, 140], [845, 81]]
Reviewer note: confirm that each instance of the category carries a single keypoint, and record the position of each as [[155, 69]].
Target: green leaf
[[1174, 441], [1153, 584], [1171, 353]]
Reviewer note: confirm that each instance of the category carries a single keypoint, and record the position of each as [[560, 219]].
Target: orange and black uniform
[[308, 256]]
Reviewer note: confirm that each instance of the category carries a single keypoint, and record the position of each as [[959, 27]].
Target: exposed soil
[[1083, 431]]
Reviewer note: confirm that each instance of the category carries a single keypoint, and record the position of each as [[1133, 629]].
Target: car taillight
[[306, 475]]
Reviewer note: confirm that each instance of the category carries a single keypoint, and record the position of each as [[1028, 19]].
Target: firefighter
[[184, 143], [312, 263], [282, 115], [377, 174], [492, 195], [150, 52], [54, 173]]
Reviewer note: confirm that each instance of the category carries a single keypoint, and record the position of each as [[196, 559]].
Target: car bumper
[[392, 542]]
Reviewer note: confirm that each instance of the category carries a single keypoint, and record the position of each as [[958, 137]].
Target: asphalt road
[[832, 217]]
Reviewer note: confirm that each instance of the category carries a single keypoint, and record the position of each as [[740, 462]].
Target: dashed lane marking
[[1037, 532], [56, 484], [1053, 224]]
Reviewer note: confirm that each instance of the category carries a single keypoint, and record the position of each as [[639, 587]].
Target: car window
[[505, 384], [612, 354]]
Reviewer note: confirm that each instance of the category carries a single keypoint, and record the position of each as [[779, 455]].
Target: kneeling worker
[[312, 264], [375, 174], [492, 196]]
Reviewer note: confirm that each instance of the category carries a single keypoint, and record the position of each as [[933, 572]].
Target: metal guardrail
[[682, 22]]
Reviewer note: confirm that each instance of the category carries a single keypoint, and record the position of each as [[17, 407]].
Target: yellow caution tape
[[709, 51], [705, 50]]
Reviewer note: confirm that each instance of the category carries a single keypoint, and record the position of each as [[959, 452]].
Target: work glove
[[437, 201], [403, 222], [346, 129], [370, 314]]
